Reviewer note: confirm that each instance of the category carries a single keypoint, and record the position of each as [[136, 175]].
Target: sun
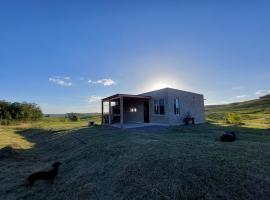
[[160, 85], [158, 82]]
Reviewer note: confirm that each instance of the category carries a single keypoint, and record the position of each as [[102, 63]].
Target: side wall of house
[[156, 95], [133, 116], [189, 102]]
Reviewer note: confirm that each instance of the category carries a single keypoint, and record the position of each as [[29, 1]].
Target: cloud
[[94, 98], [61, 80], [262, 92], [105, 82], [241, 96]]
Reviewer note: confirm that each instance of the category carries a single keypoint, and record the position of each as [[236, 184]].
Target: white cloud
[[105, 82], [61, 80], [262, 92], [94, 98], [241, 96]]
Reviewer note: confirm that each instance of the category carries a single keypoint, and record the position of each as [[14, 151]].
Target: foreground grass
[[150, 163], [8, 136]]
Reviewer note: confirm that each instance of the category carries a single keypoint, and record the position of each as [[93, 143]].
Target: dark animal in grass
[[228, 137], [43, 175]]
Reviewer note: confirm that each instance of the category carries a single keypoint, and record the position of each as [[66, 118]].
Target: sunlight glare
[[160, 85]]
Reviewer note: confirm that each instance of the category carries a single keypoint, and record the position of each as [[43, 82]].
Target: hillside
[[181, 162], [152, 163], [255, 113]]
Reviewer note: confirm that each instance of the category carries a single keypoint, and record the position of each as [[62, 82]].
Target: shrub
[[233, 118], [19, 111], [74, 117]]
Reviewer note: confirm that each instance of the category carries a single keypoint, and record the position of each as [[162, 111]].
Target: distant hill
[[255, 111]]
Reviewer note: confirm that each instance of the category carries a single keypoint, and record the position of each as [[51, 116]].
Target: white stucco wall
[[189, 102]]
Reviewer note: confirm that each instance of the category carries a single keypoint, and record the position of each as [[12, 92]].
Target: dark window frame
[[159, 107], [176, 106], [156, 107]]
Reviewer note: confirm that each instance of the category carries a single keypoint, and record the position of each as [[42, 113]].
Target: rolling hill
[[253, 113]]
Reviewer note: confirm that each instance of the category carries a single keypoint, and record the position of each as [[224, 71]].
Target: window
[[133, 109], [159, 107], [156, 107], [176, 106]]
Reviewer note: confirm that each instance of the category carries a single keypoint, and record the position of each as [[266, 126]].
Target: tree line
[[19, 111]]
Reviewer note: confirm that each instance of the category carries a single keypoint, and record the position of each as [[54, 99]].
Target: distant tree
[[19, 111], [74, 117], [4, 110]]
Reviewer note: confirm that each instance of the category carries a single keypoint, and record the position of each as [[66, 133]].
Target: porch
[[137, 125], [124, 110]]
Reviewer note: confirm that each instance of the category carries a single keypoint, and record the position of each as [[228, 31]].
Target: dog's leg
[[52, 180]]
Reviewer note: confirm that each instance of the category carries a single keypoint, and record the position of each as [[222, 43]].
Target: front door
[[146, 112]]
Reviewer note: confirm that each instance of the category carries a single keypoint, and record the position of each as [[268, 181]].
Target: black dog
[[43, 175], [228, 137]]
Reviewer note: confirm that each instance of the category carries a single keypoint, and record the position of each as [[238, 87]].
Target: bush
[[233, 118], [74, 117], [19, 111]]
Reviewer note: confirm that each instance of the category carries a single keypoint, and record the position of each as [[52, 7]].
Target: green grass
[[8, 136], [181, 162], [254, 113]]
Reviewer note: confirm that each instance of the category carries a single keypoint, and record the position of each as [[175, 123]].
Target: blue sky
[[66, 55]]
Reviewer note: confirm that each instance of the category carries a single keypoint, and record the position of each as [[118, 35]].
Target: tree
[[74, 117], [19, 111]]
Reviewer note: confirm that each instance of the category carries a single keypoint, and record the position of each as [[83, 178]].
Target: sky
[[67, 55]]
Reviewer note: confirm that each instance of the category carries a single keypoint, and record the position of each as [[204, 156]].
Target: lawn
[[181, 162]]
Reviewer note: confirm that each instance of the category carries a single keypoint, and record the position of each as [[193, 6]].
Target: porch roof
[[117, 96]]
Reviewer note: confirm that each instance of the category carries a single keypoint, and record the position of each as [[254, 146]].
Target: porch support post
[[110, 112], [102, 112], [121, 112]]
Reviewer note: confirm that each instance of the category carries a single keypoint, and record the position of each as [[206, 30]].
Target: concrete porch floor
[[137, 125]]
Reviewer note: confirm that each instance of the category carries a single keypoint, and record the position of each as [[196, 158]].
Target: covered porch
[[124, 109]]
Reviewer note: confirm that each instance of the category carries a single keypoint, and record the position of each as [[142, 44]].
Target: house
[[161, 107]]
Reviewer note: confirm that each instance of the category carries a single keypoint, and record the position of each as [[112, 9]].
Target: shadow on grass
[[107, 163]]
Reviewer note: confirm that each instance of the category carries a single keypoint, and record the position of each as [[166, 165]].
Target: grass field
[[253, 113], [150, 163]]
